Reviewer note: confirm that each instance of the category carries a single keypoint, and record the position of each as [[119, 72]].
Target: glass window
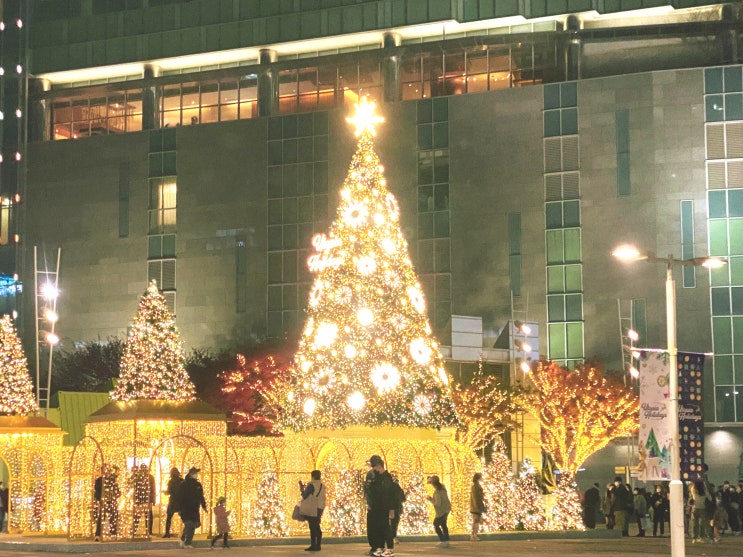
[[735, 203], [425, 167], [569, 94], [552, 96], [725, 404], [555, 246], [425, 136], [722, 335], [441, 165], [734, 106], [556, 340], [714, 108], [713, 80], [441, 222], [575, 340], [720, 276], [573, 278], [569, 121], [162, 205], [736, 269], [190, 103], [441, 197], [556, 308], [718, 238], [736, 236], [441, 135], [732, 78], [574, 307], [553, 213], [551, 123], [248, 97], [571, 212], [572, 245], [555, 279], [723, 370], [425, 199], [720, 301], [738, 335], [228, 100], [717, 204]]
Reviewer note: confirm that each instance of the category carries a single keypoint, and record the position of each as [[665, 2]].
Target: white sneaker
[[181, 544], [388, 553], [379, 552], [444, 544], [474, 538]]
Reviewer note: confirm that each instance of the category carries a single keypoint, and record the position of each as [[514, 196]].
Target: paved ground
[[627, 547]]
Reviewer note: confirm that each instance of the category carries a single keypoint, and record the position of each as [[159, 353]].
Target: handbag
[[645, 522], [296, 515], [308, 506]]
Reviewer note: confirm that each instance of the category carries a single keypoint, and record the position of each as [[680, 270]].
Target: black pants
[[315, 531], [169, 520], [224, 538], [658, 518], [394, 523], [589, 517], [442, 530], [378, 529]]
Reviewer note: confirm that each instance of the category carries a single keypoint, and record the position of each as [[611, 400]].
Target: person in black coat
[[591, 504], [659, 504], [380, 500], [174, 484], [190, 498]]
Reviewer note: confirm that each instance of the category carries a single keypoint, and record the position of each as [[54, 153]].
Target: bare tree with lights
[[484, 410], [152, 365], [16, 389], [366, 355], [579, 411]]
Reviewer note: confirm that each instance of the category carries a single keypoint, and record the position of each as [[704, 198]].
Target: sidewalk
[[496, 545], [37, 544]]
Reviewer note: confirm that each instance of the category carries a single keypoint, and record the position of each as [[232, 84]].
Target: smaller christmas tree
[[530, 513], [347, 505], [415, 518], [16, 390], [567, 513], [497, 486], [152, 365], [268, 518]]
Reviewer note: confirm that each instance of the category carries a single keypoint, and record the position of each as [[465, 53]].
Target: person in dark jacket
[[174, 483], [591, 505], [190, 498], [623, 505], [380, 501], [659, 504]]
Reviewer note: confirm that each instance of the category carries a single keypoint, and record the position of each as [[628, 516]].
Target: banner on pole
[[654, 439], [691, 425]]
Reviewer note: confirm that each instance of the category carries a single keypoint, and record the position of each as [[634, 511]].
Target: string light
[[16, 389], [152, 365], [579, 411], [367, 323]]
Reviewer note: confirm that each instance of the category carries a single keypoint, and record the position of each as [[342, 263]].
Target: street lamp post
[[676, 502]]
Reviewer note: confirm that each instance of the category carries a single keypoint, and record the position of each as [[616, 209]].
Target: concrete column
[[391, 67], [573, 49], [151, 94], [39, 110], [268, 83], [729, 34]]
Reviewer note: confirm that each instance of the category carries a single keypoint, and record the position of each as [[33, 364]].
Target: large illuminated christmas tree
[[152, 365], [366, 355], [16, 390]]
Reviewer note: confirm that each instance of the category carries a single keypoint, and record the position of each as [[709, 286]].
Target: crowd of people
[[709, 512]]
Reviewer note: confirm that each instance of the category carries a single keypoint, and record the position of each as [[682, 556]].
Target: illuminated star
[[365, 119]]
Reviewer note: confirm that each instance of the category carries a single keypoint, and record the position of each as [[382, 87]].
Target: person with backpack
[[312, 506], [399, 497], [380, 501]]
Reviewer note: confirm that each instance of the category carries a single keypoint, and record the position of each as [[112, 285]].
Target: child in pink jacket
[[221, 515]]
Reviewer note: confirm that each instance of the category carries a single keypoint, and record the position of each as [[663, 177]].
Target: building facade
[[204, 143]]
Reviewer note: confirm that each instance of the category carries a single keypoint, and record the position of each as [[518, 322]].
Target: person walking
[[698, 501], [380, 502], [221, 517], [477, 506], [174, 484], [720, 520], [623, 505], [442, 507], [659, 505], [191, 497], [312, 506], [591, 505], [3, 508]]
